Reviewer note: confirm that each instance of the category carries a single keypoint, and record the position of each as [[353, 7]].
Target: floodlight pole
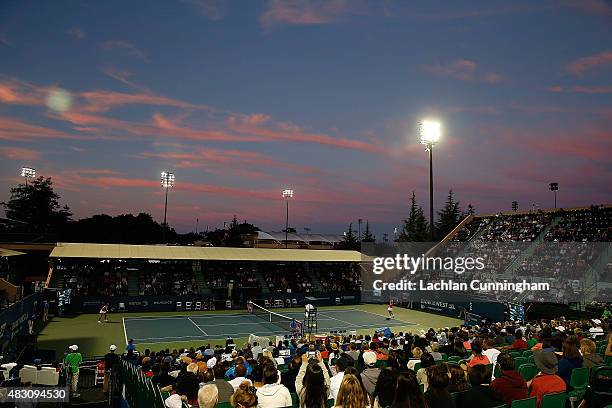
[[167, 181], [287, 226], [431, 194]]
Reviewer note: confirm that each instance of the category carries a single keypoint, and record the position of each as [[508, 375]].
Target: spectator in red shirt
[[510, 384], [547, 381], [519, 342], [478, 357]]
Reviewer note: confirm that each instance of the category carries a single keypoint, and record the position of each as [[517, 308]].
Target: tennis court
[[193, 327]]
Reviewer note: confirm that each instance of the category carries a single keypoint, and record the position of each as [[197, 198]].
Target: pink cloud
[[17, 92], [302, 12], [600, 7], [13, 129], [126, 46], [76, 33], [19, 153], [463, 70], [582, 65]]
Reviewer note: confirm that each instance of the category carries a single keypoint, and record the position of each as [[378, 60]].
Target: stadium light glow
[[287, 194], [429, 132], [554, 187], [167, 181], [27, 173]]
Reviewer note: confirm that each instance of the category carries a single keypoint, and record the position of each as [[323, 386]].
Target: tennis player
[[249, 307], [390, 310], [103, 312]]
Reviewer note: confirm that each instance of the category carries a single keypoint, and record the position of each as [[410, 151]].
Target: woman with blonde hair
[[588, 348], [352, 394], [417, 352], [245, 396]]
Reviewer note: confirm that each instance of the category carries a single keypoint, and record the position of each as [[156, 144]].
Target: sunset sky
[[244, 98]]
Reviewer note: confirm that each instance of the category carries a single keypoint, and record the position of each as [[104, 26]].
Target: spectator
[[571, 359], [353, 352], [547, 381], [272, 394], [369, 376], [245, 396], [458, 381], [225, 388], [480, 395], [510, 384], [288, 377], [240, 377], [73, 360], [588, 349], [477, 356], [336, 380], [490, 351], [437, 395], [312, 382], [385, 388], [519, 342], [352, 394], [161, 378], [437, 356], [427, 361], [111, 361], [208, 396], [416, 358], [408, 392]]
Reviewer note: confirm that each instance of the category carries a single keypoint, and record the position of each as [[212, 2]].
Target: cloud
[[126, 46], [599, 7], [76, 33], [591, 62], [463, 70], [16, 130], [581, 89], [302, 12], [212, 9], [19, 153], [15, 92]]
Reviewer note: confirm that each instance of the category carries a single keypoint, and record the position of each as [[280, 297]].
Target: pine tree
[[367, 235], [449, 217], [233, 237], [470, 210], [415, 227], [349, 241]]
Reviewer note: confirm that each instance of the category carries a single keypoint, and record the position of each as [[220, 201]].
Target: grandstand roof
[[279, 236], [8, 252], [122, 251]]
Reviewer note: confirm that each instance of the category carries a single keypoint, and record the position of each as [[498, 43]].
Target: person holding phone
[[312, 383]]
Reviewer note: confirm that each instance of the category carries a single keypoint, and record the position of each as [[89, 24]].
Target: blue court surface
[[193, 327]]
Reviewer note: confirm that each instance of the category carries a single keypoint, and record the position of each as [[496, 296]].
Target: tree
[[367, 235], [416, 228], [349, 241], [449, 217], [470, 210], [37, 205], [233, 238]]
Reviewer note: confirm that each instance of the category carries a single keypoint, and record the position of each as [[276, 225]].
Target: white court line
[[375, 314], [198, 327], [124, 331], [202, 316]]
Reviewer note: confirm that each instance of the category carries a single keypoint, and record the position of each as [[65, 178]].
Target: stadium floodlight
[[167, 181], [287, 194], [430, 132], [27, 173], [554, 187], [515, 206]]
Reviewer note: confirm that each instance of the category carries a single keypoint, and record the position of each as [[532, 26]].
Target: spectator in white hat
[[111, 361], [369, 376]]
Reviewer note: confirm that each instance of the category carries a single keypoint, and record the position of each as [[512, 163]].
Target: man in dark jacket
[[481, 395], [510, 384]]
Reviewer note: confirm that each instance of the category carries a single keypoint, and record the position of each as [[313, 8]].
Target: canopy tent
[[159, 252]]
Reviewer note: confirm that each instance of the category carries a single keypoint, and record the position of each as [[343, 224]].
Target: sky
[[241, 99]]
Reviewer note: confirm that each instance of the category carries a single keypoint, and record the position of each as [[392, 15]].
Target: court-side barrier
[[492, 311], [14, 319], [92, 304]]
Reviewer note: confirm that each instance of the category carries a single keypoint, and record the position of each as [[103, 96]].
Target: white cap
[[211, 363], [113, 347], [560, 328], [369, 358], [596, 321], [74, 347]]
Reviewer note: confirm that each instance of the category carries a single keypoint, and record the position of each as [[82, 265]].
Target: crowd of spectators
[[338, 278], [105, 278], [480, 366], [167, 279], [290, 277]]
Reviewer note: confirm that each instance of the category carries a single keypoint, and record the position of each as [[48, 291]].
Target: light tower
[[429, 132], [167, 181], [287, 194], [27, 173], [554, 187]]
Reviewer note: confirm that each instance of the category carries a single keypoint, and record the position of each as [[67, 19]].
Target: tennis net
[[286, 323]]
